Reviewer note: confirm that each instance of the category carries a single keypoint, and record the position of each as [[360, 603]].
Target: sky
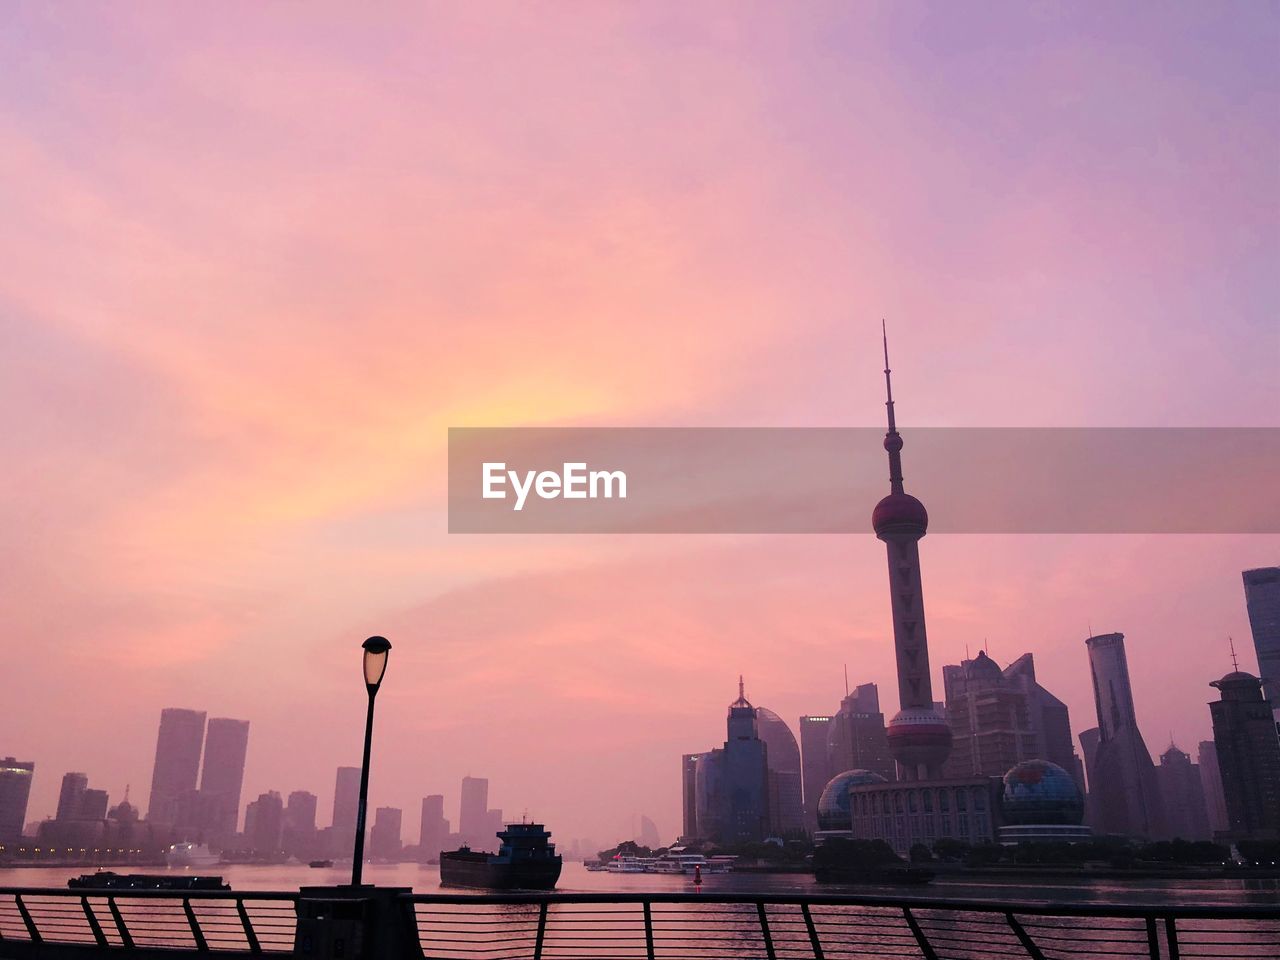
[[258, 260]]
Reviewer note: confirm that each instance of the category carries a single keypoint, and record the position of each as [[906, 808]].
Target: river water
[[576, 878]]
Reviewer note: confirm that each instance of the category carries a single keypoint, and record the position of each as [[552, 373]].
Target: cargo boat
[[527, 860], [109, 880]]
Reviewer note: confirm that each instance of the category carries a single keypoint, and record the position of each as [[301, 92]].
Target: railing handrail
[[1030, 907]]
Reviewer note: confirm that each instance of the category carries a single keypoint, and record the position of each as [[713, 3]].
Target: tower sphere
[[919, 737], [900, 514]]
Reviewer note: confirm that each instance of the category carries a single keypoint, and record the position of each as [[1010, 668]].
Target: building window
[[979, 800], [944, 800], [960, 801], [911, 801], [928, 801]]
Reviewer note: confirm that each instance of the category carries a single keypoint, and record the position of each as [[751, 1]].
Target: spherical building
[[918, 737], [1041, 802], [834, 813]]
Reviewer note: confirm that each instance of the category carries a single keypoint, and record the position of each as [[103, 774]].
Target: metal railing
[[656, 926]]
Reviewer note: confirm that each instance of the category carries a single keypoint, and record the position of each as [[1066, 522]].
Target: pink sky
[[257, 260]]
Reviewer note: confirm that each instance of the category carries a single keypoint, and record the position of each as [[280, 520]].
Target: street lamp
[[376, 650]]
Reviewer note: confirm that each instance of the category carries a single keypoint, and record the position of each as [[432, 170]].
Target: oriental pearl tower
[[919, 739]]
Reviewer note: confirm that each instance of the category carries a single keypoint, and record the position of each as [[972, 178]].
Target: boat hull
[[486, 875]]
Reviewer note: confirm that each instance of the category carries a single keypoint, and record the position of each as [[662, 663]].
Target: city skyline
[[256, 269]]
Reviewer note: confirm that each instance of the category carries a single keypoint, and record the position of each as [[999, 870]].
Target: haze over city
[[237, 334]]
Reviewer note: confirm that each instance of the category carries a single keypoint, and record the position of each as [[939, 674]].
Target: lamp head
[[375, 661]]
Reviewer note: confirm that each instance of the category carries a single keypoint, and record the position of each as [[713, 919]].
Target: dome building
[[835, 815], [1041, 803]]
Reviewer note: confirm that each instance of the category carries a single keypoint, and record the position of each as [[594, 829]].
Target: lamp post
[[375, 666]]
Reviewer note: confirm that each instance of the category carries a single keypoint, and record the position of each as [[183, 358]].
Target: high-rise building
[[689, 795], [93, 805], [815, 765], [225, 745], [346, 803], [434, 831], [473, 808], [919, 738], [1182, 793], [264, 824], [648, 833], [746, 774], [177, 762], [786, 797], [384, 837], [69, 796], [1000, 718], [1211, 780], [300, 812], [712, 802], [1124, 797], [1262, 600], [857, 738], [1244, 733], [15, 791]]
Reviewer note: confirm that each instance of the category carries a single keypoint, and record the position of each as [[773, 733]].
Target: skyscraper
[[1211, 780], [1262, 600], [746, 774], [264, 824], [919, 739], [1244, 734], [69, 796], [177, 762], [1000, 718], [225, 746], [689, 795], [384, 837], [346, 801], [712, 803], [1124, 796], [15, 791], [857, 738], [299, 836], [473, 807], [93, 805], [786, 796], [815, 766], [433, 833], [1182, 793]]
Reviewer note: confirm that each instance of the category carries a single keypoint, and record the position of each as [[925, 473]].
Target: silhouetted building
[[434, 829], [1049, 717], [264, 824], [225, 746], [1124, 797], [69, 796], [689, 795], [346, 804], [649, 833], [1215, 800], [93, 804], [815, 765], [712, 802], [1262, 600], [177, 762], [746, 774], [299, 837], [384, 837], [1041, 802], [1244, 733], [857, 737], [1182, 794], [786, 797], [473, 808], [919, 737], [15, 791]]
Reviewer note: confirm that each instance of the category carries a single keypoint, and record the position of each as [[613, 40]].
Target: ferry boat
[[620, 864], [190, 855], [527, 860], [109, 880]]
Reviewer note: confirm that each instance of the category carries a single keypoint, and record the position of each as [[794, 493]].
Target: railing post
[[922, 941], [813, 932], [125, 937], [1171, 935], [98, 935], [764, 929], [1024, 938], [196, 933], [542, 930], [250, 936], [648, 931], [1153, 941], [32, 932], [409, 917]]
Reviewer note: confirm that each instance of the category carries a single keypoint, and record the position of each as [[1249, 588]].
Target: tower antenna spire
[[741, 688], [846, 679], [892, 440], [1235, 663]]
